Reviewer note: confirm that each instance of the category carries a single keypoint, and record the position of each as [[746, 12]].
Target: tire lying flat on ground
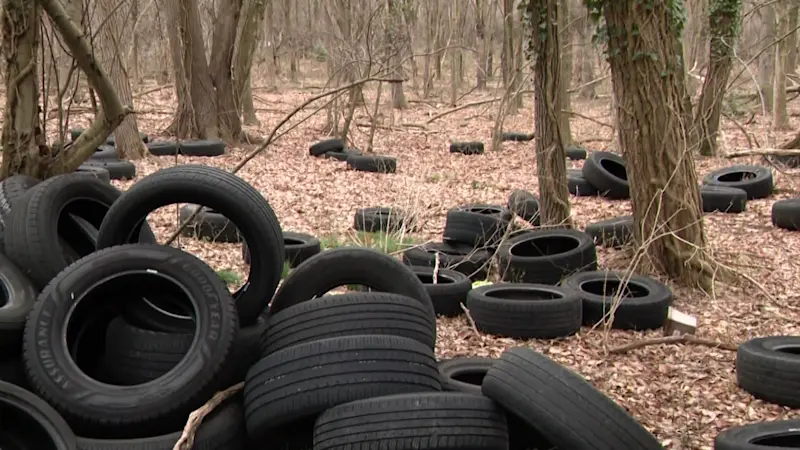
[[467, 148], [208, 225], [117, 170], [525, 205], [298, 247], [344, 154], [525, 311], [372, 163], [643, 306], [578, 186], [769, 369], [576, 153], [516, 137], [105, 152], [329, 145], [449, 291], [463, 258], [786, 214], [756, 181], [614, 232], [562, 405], [607, 172], [376, 219], [464, 374], [778, 434], [476, 224], [546, 256], [723, 199], [95, 171], [223, 192]]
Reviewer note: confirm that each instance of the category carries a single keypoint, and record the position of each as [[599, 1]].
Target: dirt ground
[[685, 394]]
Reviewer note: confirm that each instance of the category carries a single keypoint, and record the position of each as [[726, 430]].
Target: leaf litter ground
[[685, 394]]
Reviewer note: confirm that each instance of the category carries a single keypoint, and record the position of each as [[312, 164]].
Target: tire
[[476, 224], [418, 421], [300, 382], [222, 429], [372, 163], [343, 155], [449, 292], [163, 148], [576, 153], [94, 171], [19, 296], [525, 311], [615, 232], [607, 172], [756, 181], [777, 434], [467, 148], [356, 313], [464, 374], [525, 205], [349, 265], [722, 198], [35, 228], [223, 192], [645, 309], [12, 370], [118, 170], [210, 147], [21, 407], [105, 153], [514, 137], [562, 405], [578, 186], [379, 219], [769, 369], [11, 190], [209, 225], [152, 408], [329, 145], [546, 256], [298, 247], [112, 141], [786, 214], [462, 258]]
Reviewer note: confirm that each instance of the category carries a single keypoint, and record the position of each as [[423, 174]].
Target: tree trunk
[[791, 40], [110, 47], [229, 122], [507, 55], [288, 19], [24, 147], [550, 153], [565, 70], [780, 118], [196, 116], [483, 48], [653, 118], [248, 108], [724, 29], [585, 30], [134, 44], [766, 63], [396, 38], [252, 14]]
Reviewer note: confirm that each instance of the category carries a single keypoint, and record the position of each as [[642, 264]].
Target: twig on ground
[[470, 319], [682, 339], [763, 152], [186, 440]]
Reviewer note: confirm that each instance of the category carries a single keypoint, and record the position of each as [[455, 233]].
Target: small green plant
[[434, 178], [229, 277], [478, 185], [286, 269], [385, 242]]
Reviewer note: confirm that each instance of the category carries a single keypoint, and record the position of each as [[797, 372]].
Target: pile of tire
[[104, 163], [337, 149]]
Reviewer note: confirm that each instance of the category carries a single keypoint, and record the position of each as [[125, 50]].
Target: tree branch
[[682, 339], [113, 112], [763, 152]]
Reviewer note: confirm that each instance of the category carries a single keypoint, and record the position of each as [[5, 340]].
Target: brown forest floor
[[685, 394]]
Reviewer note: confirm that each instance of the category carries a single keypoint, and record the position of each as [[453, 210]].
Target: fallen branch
[[590, 83], [272, 133], [763, 152], [469, 105], [470, 319], [186, 441], [591, 119], [682, 339]]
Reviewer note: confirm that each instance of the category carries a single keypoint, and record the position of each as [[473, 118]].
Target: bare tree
[[566, 60], [766, 61], [252, 15], [780, 117]]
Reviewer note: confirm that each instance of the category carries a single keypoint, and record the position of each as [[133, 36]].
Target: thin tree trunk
[[766, 63], [251, 17], [110, 47], [585, 30], [396, 38], [566, 70], [483, 48], [550, 153], [290, 41], [791, 40], [229, 122], [135, 74], [653, 118], [248, 108], [780, 117]]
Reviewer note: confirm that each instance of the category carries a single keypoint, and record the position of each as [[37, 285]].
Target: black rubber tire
[[578, 186], [786, 214], [449, 292], [757, 181], [223, 192], [118, 170], [11, 190], [104, 153], [355, 313], [372, 163], [464, 374], [769, 369], [418, 421], [525, 311], [562, 405], [349, 265], [644, 312], [95, 171], [298, 383], [222, 429], [576, 153], [298, 247], [607, 172], [546, 256], [208, 147], [722, 198], [379, 219], [525, 205], [33, 231], [19, 296], [101, 410], [775, 434], [209, 225], [343, 155], [515, 137], [75, 132], [52, 432], [112, 141], [472, 262], [476, 224], [467, 148], [329, 145], [615, 232], [163, 148], [12, 370]]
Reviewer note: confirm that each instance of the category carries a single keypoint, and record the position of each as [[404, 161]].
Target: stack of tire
[[337, 149], [104, 163]]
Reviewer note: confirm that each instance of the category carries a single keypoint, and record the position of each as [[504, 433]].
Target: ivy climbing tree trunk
[[723, 18], [567, 58], [229, 123], [648, 79], [551, 157]]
